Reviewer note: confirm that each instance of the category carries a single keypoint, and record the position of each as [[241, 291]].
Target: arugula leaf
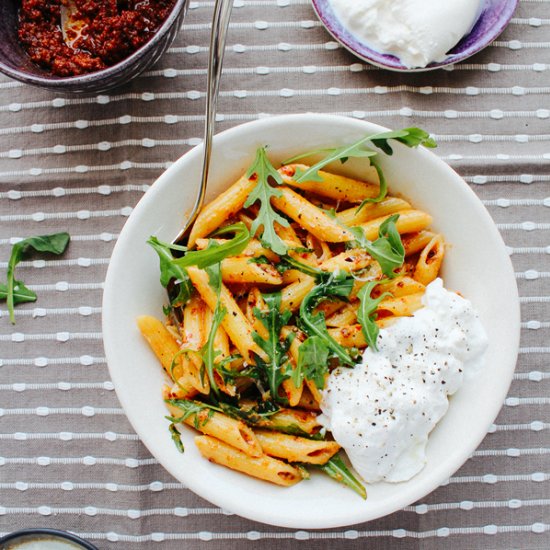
[[263, 170], [337, 284], [337, 469], [15, 292], [312, 364], [387, 250], [21, 293], [253, 416], [273, 371], [172, 270], [208, 352], [340, 153], [366, 313], [215, 252], [172, 273], [191, 408], [176, 437], [288, 262], [411, 137]]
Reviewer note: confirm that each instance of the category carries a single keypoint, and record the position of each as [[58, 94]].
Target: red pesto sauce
[[113, 30]]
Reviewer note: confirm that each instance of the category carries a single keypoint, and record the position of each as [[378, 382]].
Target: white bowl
[[477, 265]]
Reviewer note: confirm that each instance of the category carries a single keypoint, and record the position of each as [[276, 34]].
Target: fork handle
[[220, 25]]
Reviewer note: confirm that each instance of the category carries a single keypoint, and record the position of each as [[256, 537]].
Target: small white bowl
[[477, 265], [493, 19]]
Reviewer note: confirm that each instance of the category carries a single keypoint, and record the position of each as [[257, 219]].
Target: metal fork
[[220, 24]]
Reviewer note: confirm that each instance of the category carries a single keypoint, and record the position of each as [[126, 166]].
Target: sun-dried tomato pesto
[[112, 30]]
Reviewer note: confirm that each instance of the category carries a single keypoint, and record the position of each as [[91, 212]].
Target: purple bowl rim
[[11, 537], [333, 25], [104, 74]]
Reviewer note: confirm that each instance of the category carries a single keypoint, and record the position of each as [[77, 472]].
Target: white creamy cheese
[[416, 31], [382, 410]]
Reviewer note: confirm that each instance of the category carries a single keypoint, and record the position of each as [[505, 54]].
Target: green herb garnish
[[176, 437], [411, 137], [275, 369], [387, 250], [208, 353], [263, 171], [173, 270], [337, 469], [191, 408], [313, 357], [334, 285], [366, 314], [14, 291]]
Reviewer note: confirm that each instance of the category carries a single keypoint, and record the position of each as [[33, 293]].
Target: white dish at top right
[[414, 35]]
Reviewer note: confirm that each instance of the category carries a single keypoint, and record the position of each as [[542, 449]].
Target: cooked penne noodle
[[345, 316], [400, 286], [307, 401], [162, 343], [415, 242], [292, 393], [287, 234], [292, 276], [331, 185], [355, 216], [321, 249], [293, 294], [221, 208], [310, 217], [296, 449], [240, 269], [234, 321], [233, 432], [353, 259], [262, 467], [314, 391], [430, 260], [350, 336], [195, 327], [402, 306], [409, 221]]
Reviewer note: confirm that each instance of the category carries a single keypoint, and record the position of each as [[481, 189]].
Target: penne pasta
[[331, 185], [226, 429], [409, 221], [355, 216], [402, 306], [240, 269], [162, 343], [234, 321], [263, 467], [310, 217], [296, 449], [430, 260], [221, 208]]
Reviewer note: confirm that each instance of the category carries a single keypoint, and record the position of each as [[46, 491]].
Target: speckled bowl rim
[[12, 537], [494, 18], [113, 71]]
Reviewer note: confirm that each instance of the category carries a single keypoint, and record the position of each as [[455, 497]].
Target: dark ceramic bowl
[[19, 538], [495, 16], [15, 63]]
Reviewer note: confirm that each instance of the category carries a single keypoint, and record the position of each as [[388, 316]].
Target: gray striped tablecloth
[[68, 457]]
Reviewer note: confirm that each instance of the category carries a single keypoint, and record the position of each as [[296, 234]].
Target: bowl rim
[[56, 533], [353, 44], [63, 83], [440, 473]]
